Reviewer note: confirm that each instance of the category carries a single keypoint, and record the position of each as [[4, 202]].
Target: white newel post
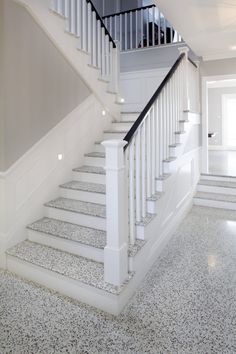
[[116, 250], [115, 69], [186, 99]]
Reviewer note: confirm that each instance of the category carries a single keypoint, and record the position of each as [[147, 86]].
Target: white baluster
[[89, 27], [142, 24], [99, 43], [153, 148], [157, 138], [116, 250], [107, 58], [94, 41], [148, 143], [103, 39], [121, 34], [115, 28], [143, 159], [161, 133], [138, 175], [131, 30], [136, 29], [147, 11], [126, 32], [84, 26], [159, 25], [153, 27], [131, 193]]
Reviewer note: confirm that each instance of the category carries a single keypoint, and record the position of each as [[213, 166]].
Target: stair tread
[[224, 184], [76, 233], [180, 132], [78, 206], [96, 154], [82, 234], [91, 169], [170, 159], [74, 267], [156, 196], [163, 177], [85, 186], [216, 196]]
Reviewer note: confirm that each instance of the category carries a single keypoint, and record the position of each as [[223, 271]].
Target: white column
[[116, 250], [114, 85], [186, 100]]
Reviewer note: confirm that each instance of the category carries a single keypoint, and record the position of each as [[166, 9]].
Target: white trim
[[221, 148], [205, 145], [224, 118]]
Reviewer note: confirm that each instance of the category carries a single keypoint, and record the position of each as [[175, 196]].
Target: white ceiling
[[207, 26]]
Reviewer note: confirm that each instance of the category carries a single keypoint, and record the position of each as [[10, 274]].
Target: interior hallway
[[187, 304], [222, 163]]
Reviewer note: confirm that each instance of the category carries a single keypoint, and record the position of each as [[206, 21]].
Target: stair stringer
[[54, 27]]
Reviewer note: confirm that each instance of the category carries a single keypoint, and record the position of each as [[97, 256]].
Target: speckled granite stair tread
[[85, 235], [78, 206], [216, 196], [74, 267], [76, 233], [96, 154], [85, 186], [223, 184], [146, 220], [170, 159], [164, 177], [155, 197], [90, 169]]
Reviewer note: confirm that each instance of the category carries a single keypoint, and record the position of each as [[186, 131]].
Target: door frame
[[205, 80]]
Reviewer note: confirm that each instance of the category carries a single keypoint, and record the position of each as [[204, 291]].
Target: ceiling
[[207, 26], [221, 83]]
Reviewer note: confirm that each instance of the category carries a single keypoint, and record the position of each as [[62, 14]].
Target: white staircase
[[216, 191], [95, 240]]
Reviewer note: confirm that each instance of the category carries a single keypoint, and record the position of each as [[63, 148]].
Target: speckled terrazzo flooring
[[186, 305]]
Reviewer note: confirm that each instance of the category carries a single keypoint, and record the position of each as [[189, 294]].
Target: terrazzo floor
[[186, 305]]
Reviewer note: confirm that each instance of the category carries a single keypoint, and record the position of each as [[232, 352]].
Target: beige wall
[[40, 87], [219, 67]]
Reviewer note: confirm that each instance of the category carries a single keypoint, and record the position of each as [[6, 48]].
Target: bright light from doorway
[[230, 121]]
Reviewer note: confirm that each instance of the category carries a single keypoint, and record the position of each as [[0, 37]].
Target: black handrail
[[142, 115], [98, 17], [132, 10], [192, 62]]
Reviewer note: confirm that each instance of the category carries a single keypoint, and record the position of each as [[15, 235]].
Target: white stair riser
[[169, 167], [160, 185], [183, 126], [180, 138], [121, 126], [89, 177], [175, 151], [64, 285], [77, 218], [218, 178], [214, 204], [216, 189], [129, 117], [94, 161], [84, 196], [152, 206], [99, 148], [69, 246], [113, 136]]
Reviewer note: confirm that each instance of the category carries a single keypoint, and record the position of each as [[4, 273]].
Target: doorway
[[219, 126]]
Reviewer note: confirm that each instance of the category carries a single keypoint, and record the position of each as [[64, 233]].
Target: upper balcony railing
[[141, 28]]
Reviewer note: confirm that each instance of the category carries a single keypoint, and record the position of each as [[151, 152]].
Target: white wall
[[137, 87], [215, 118], [40, 87], [218, 67]]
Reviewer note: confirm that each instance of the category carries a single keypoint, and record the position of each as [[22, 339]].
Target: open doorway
[[219, 126]]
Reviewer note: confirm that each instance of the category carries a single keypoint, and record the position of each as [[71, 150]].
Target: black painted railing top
[[99, 18], [132, 10], [143, 114]]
